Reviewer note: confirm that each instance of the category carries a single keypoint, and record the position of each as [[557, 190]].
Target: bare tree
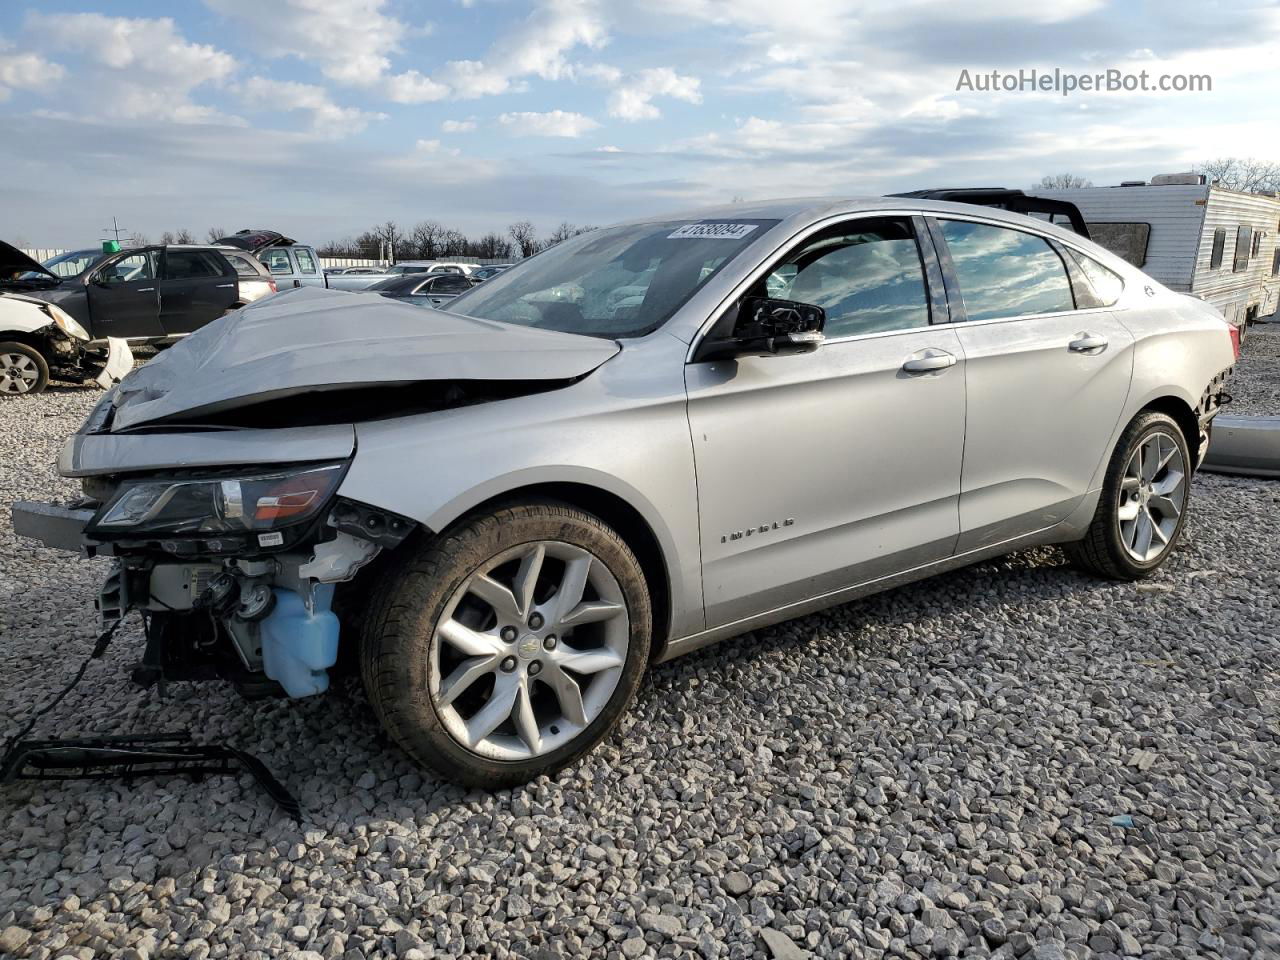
[[167, 237], [214, 234], [561, 233], [1062, 181], [390, 235], [1242, 173], [138, 239], [524, 237], [184, 236], [426, 239], [455, 243], [492, 246]]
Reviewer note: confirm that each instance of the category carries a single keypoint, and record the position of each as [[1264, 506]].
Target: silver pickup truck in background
[[290, 263]]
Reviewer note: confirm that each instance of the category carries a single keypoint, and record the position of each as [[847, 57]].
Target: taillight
[[275, 289], [1235, 339]]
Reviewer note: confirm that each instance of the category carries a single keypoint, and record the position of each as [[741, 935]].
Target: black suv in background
[[140, 293]]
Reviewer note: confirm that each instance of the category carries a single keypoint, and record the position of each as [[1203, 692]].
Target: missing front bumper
[[61, 528]]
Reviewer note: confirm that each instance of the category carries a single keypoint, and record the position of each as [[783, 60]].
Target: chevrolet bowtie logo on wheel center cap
[[528, 647]]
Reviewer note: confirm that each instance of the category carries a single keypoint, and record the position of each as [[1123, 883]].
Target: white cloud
[[350, 41], [536, 47], [633, 98], [136, 67], [459, 126], [27, 71], [412, 87], [328, 119], [556, 123]]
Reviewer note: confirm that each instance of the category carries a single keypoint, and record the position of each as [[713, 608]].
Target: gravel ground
[[1014, 760]]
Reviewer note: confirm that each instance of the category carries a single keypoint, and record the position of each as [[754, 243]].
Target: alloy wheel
[[1153, 493], [528, 651], [18, 373]]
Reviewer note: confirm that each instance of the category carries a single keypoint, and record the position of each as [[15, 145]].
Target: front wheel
[[510, 645], [1143, 505], [22, 370]]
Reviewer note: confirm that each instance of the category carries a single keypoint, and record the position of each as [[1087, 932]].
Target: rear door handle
[[223, 286], [1087, 343], [928, 360], [146, 289]]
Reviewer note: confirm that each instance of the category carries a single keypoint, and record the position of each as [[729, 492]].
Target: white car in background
[[40, 342]]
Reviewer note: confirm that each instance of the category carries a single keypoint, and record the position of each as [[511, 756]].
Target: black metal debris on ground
[[129, 756]]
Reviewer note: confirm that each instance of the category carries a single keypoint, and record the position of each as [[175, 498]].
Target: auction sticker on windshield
[[712, 231]]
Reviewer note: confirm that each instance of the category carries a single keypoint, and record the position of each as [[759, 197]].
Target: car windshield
[[70, 264], [616, 282]]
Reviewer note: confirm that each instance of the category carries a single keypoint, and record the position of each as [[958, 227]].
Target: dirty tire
[[1102, 551], [396, 647], [29, 362]]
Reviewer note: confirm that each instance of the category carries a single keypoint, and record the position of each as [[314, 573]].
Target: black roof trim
[[1005, 199]]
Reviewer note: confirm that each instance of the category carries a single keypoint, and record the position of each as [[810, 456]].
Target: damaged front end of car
[[235, 569], [213, 475]]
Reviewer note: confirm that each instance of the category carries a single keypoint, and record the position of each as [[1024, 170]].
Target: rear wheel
[[510, 645], [1144, 501], [22, 370]]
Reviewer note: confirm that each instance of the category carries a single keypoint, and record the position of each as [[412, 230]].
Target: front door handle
[[1087, 343], [146, 289], [224, 286], [929, 360]]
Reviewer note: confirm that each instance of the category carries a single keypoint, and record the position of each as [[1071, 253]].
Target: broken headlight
[[220, 505]]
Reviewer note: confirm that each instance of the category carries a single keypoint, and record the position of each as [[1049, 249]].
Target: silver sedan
[[646, 439]]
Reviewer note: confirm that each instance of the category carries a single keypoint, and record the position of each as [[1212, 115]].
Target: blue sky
[[321, 118]]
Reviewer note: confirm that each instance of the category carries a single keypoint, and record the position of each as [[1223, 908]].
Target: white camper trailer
[[1215, 243]]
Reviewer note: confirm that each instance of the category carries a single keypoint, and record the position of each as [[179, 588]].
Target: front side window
[[1107, 284], [305, 263], [867, 276], [616, 282], [136, 266], [1219, 245], [1006, 273], [191, 265], [277, 261]]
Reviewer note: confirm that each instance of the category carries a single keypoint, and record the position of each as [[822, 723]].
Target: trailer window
[[1219, 244], [1128, 241], [1275, 261], [1257, 243], [1244, 239]]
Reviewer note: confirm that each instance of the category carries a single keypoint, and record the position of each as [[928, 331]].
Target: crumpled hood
[[311, 340]]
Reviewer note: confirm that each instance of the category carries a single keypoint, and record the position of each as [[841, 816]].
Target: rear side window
[[305, 263], [450, 284], [243, 267], [191, 265], [1107, 284], [1006, 273], [865, 274], [1219, 245], [277, 261], [1244, 239]]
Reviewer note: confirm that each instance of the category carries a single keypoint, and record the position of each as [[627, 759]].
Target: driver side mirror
[[768, 325]]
